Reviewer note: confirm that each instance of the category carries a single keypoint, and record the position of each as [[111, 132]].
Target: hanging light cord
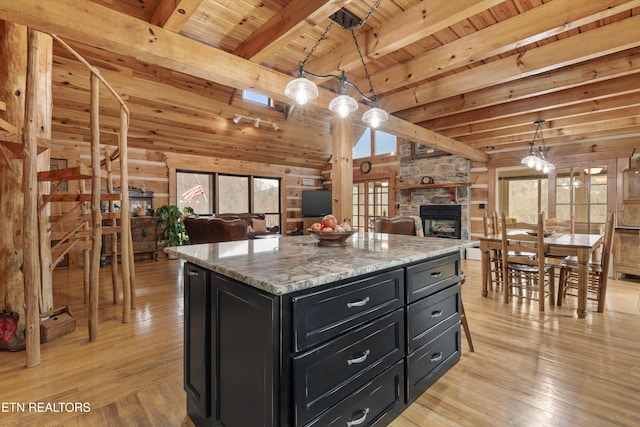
[[374, 98], [313, 49]]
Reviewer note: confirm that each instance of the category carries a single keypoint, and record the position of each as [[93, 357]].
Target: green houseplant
[[171, 229]]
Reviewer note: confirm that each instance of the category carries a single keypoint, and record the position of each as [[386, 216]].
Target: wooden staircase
[[77, 211], [81, 209]]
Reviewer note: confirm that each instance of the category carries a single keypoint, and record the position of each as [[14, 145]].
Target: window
[[379, 143], [195, 189], [257, 98], [266, 199], [583, 193], [384, 143], [236, 194], [522, 194], [370, 200], [363, 147]]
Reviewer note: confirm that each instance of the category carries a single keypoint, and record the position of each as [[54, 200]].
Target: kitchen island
[[282, 332]]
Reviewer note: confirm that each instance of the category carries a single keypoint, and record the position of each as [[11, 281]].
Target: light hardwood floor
[[529, 369]]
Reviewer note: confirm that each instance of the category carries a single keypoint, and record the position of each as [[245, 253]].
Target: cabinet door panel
[[321, 315], [336, 369], [430, 316], [429, 277], [246, 348], [197, 373], [427, 364], [375, 404]]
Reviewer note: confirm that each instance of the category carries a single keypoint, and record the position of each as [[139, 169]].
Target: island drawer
[[333, 371], [430, 362], [321, 315], [376, 403], [430, 316], [431, 276]]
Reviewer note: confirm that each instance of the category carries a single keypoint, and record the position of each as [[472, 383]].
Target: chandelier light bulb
[[301, 90], [531, 162], [375, 116], [343, 105]]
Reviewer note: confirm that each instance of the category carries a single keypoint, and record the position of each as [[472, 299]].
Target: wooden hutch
[[626, 241]]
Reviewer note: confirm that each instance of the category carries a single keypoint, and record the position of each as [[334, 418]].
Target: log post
[[125, 219], [96, 216], [31, 264], [342, 169], [45, 111], [13, 73], [114, 224]]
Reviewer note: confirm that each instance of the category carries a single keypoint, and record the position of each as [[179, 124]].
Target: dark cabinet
[[245, 349], [433, 322], [353, 352], [197, 348], [230, 351]]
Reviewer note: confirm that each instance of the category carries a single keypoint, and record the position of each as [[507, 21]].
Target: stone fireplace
[[442, 169]]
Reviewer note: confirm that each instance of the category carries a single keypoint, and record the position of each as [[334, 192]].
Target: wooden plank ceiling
[[466, 76]]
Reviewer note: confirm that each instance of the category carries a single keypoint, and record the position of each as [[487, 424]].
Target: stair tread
[[58, 235], [73, 173], [78, 245], [85, 197]]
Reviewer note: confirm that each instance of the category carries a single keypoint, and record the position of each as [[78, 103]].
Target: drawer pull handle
[[193, 273], [360, 420], [358, 303], [359, 359], [436, 275], [144, 233], [436, 357], [436, 314]]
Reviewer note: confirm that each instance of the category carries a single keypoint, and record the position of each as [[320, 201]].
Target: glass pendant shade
[[343, 105], [530, 160], [375, 116], [301, 90]]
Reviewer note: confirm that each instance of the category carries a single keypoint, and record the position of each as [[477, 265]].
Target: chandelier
[[538, 159], [302, 89]]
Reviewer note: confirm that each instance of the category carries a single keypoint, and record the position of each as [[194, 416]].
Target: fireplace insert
[[441, 220]]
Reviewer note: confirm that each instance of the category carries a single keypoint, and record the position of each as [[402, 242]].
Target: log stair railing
[[83, 210]]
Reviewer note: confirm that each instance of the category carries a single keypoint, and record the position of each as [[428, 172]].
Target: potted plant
[[170, 225]]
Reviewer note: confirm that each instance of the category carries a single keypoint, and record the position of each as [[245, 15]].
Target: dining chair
[[560, 225], [396, 225], [463, 315], [598, 271], [525, 272], [557, 225], [491, 227]]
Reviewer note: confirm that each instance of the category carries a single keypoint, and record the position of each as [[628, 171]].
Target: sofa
[[215, 230], [256, 222]]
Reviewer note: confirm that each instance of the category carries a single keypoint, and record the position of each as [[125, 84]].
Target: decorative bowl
[[332, 238], [544, 233]]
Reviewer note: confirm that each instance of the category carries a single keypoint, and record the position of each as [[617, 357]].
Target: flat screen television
[[316, 203]]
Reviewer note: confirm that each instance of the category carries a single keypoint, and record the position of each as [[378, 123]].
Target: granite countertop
[[291, 263]]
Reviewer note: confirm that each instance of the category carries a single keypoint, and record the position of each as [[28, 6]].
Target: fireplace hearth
[[442, 220]]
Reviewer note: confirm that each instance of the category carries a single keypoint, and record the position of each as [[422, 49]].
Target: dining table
[[558, 243]]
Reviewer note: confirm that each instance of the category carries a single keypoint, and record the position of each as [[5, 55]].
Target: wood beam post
[[31, 264], [342, 168], [13, 72]]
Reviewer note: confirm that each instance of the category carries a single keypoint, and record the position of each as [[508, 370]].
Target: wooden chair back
[[561, 225], [607, 243], [490, 223], [523, 250], [522, 242]]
